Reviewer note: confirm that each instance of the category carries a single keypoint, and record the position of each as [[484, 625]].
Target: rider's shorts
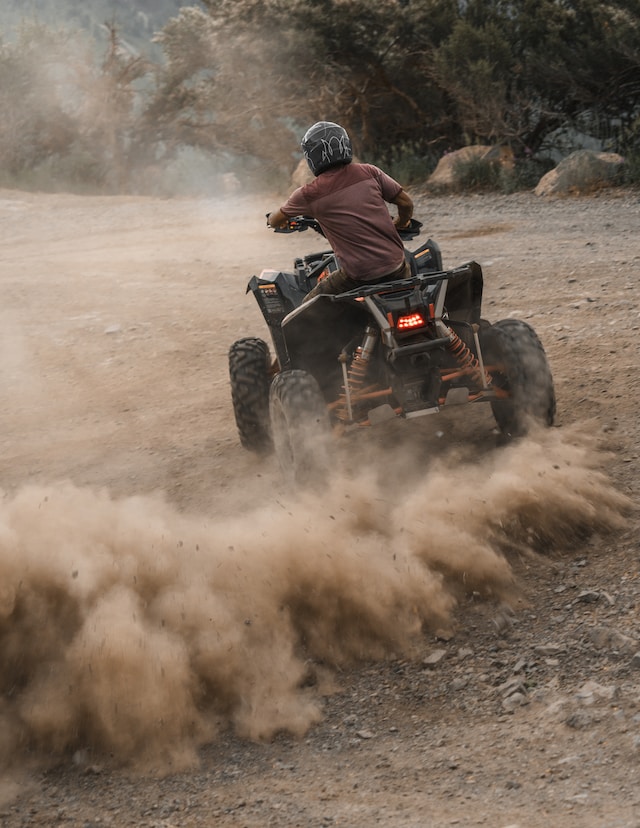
[[339, 281]]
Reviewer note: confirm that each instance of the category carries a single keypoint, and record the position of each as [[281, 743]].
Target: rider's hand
[[277, 219]]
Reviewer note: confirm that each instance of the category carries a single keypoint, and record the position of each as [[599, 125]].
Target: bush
[[629, 175], [477, 174], [407, 165], [525, 175], [487, 175], [74, 172]]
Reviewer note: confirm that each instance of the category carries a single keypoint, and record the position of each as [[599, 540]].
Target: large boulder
[[444, 176], [582, 171]]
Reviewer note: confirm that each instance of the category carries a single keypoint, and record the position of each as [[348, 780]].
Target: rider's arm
[[277, 219], [404, 204]]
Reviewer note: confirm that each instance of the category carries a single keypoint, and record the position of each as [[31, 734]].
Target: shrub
[[407, 164], [76, 172], [525, 174], [629, 175], [477, 174]]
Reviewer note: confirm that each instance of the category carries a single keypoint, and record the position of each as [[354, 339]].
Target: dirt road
[[448, 636]]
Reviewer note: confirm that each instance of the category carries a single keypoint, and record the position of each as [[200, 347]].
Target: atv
[[400, 349]]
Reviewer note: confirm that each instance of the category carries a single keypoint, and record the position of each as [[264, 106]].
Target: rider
[[349, 202]]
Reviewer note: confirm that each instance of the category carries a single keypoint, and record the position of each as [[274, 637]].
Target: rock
[[549, 649], [579, 720], [514, 700], [515, 694], [591, 691], [582, 171], [635, 660], [503, 622], [589, 596], [608, 638], [556, 709], [444, 175], [434, 658]]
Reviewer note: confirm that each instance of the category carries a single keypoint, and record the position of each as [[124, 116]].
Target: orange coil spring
[[356, 375], [466, 359], [357, 371]]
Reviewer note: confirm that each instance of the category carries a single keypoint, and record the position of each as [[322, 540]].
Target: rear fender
[[315, 334], [464, 294]]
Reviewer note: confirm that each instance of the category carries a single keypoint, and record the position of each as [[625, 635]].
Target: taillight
[[410, 322]]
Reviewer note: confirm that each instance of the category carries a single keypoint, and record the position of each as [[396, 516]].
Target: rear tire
[[250, 375], [521, 368], [300, 426]]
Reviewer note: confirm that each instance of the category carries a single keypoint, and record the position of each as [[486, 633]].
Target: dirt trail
[[448, 635]]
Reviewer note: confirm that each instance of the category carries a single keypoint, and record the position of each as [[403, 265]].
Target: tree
[[63, 111], [274, 65], [427, 75], [545, 64], [34, 124], [244, 78], [108, 124]]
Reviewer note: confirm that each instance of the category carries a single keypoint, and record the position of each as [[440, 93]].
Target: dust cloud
[[136, 632]]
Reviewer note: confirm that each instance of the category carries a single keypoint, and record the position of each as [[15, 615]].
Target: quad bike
[[404, 349]]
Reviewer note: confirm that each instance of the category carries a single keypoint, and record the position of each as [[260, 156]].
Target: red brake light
[[413, 320]]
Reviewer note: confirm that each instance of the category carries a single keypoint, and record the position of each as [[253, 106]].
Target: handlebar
[[411, 230], [300, 223]]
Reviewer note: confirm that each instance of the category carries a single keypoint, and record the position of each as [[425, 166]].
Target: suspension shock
[[353, 376], [466, 360]]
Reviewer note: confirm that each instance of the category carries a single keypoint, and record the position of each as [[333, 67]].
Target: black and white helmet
[[326, 145]]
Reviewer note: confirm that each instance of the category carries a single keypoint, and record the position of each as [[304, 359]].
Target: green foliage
[[525, 175], [408, 164], [435, 74], [188, 44], [487, 175], [244, 78], [630, 172], [477, 174]]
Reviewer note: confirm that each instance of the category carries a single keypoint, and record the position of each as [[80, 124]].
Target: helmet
[[326, 145]]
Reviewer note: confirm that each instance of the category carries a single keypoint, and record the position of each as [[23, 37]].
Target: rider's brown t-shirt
[[349, 202]]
